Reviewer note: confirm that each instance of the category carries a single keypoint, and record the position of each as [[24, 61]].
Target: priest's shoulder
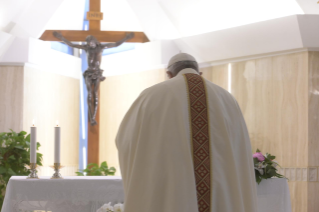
[[220, 91], [157, 88]]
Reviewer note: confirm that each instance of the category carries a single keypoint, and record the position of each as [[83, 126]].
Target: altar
[[71, 194], [88, 194]]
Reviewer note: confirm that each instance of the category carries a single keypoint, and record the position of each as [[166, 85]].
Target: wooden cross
[[94, 16]]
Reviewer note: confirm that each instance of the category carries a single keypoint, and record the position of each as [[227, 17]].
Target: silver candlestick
[[33, 170], [57, 167]]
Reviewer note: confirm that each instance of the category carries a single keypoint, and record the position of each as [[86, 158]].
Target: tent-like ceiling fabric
[[159, 19], [309, 6], [172, 19], [117, 16]]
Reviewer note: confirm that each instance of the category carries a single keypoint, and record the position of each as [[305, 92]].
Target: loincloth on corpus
[[93, 74]]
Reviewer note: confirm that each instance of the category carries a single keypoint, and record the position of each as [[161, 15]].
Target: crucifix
[[93, 75]]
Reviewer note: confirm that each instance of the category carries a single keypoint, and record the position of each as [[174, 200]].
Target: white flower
[[260, 167], [274, 164], [119, 207], [106, 208]]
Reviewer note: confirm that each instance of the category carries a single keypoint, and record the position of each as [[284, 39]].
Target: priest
[[184, 147]]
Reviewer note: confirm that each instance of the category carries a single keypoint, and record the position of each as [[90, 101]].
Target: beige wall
[[279, 99], [11, 98], [30, 93], [313, 130], [49, 97], [117, 94]]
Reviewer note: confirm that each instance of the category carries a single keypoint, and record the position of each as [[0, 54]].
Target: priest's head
[[179, 62], [92, 42]]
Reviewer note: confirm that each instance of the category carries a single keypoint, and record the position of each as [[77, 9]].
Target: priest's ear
[[169, 74]]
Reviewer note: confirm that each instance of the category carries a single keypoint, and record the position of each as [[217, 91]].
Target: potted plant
[[14, 157]]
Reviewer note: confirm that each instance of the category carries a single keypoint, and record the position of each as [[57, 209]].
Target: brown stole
[[200, 138]]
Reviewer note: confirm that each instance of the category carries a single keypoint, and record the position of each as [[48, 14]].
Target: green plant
[[265, 166], [94, 170], [14, 157]]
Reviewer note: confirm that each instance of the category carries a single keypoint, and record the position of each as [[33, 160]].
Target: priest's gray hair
[[181, 61], [178, 66]]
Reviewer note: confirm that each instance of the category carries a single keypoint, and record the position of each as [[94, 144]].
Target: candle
[[57, 138], [33, 144]]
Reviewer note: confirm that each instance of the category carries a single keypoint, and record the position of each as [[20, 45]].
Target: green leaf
[[93, 165], [257, 150], [255, 161], [28, 138], [271, 157], [104, 164], [112, 169], [93, 169], [23, 133], [79, 174], [19, 147], [2, 170], [12, 157], [11, 172]]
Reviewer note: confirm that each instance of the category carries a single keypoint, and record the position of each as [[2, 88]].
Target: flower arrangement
[[108, 208], [265, 166]]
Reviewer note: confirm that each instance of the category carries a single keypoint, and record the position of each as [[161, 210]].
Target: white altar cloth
[[71, 194], [273, 195], [87, 194]]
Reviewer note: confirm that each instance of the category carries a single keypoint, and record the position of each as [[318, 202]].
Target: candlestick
[[57, 147], [33, 170], [33, 144], [57, 174]]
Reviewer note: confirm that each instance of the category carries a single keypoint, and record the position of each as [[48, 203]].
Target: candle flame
[[33, 122], [57, 122]]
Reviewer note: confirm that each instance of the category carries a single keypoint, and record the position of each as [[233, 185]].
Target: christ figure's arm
[[60, 37], [111, 45]]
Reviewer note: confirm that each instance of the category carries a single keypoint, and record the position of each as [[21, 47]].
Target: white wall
[[39, 54], [146, 56]]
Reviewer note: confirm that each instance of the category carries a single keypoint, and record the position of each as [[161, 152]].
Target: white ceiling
[[170, 19], [159, 19]]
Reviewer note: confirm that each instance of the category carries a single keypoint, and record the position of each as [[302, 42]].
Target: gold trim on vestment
[[189, 117], [200, 139], [210, 147]]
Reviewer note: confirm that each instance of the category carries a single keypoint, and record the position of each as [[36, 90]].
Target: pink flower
[[259, 156]]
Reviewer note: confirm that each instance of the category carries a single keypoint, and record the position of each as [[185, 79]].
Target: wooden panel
[[102, 36], [49, 97], [313, 123], [117, 95], [291, 112], [220, 76], [299, 196], [313, 191], [243, 85], [217, 75], [11, 98], [272, 95], [313, 115]]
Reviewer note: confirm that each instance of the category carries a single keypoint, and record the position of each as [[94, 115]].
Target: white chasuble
[[184, 147]]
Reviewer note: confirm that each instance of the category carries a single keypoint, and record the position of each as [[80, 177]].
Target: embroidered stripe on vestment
[[199, 124]]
